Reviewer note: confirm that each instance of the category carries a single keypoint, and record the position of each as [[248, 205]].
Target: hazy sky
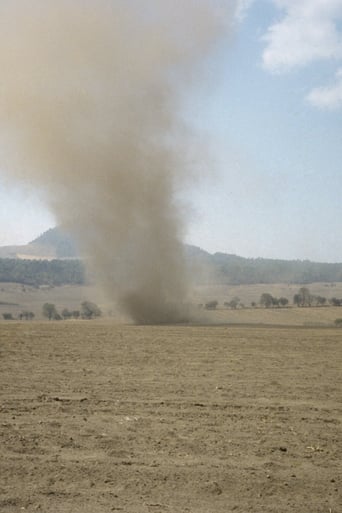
[[270, 109]]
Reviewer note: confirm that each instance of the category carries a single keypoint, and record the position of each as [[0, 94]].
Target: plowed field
[[97, 417]]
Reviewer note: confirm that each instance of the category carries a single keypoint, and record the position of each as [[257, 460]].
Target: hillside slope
[[205, 268], [50, 245]]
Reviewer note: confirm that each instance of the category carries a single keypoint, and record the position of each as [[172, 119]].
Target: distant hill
[[206, 268], [62, 244], [50, 245], [235, 270]]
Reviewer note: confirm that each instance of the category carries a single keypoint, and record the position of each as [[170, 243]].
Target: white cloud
[[241, 9], [329, 97], [307, 32]]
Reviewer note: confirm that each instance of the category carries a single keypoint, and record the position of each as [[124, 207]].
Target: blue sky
[[271, 111]]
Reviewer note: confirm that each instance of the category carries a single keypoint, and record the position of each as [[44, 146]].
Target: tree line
[[303, 298], [219, 268], [42, 272], [88, 310], [25, 314], [222, 268]]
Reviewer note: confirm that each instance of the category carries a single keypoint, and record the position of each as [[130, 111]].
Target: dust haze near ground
[[89, 107]]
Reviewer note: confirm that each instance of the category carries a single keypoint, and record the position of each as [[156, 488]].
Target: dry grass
[[315, 316], [32, 299], [249, 293]]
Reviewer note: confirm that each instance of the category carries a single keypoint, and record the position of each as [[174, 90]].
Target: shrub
[[320, 300], [7, 316], [49, 311], [211, 305], [233, 304], [25, 314], [267, 300], [90, 310], [303, 297], [66, 314], [338, 322]]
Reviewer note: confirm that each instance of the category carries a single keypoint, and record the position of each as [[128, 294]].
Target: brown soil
[[97, 418]]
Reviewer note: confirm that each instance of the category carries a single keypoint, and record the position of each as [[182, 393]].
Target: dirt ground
[[97, 417]]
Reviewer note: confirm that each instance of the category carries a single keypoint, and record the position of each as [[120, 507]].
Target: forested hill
[[42, 272], [219, 268], [235, 270]]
